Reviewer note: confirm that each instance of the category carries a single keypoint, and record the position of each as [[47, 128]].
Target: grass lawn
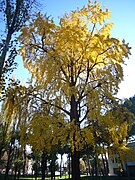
[[47, 178], [33, 178], [57, 177], [83, 177]]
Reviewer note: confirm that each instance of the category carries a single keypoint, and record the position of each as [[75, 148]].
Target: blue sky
[[123, 17]]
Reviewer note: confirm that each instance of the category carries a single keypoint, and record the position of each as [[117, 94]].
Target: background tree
[[76, 69], [4, 126], [15, 13], [10, 133], [40, 125], [130, 105]]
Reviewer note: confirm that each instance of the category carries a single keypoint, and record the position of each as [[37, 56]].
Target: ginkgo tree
[[78, 65]]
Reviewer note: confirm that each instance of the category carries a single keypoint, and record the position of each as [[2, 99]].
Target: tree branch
[[84, 116], [54, 105]]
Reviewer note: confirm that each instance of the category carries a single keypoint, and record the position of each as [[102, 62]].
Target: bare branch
[[85, 116], [51, 104]]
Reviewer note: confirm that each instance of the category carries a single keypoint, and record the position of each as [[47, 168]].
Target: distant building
[[128, 166], [131, 162]]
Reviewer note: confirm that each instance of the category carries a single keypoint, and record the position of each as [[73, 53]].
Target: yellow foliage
[[78, 65]]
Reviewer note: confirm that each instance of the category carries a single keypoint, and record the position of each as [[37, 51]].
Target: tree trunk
[[4, 52], [107, 165], [53, 167], [12, 26], [24, 160], [43, 164], [96, 166], [75, 165], [88, 165], [75, 155], [19, 171], [4, 134], [104, 172], [61, 166], [8, 162], [15, 172], [16, 164], [128, 172], [36, 169], [69, 166]]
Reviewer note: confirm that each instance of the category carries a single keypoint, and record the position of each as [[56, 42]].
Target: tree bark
[[15, 172], [96, 166], [75, 155], [43, 164], [107, 165], [69, 166], [4, 134], [88, 165], [4, 52], [61, 165], [104, 170], [16, 164], [53, 160], [75, 165], [8, 162], [24, 160]]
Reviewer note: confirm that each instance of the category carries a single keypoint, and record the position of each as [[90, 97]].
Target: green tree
[[76, 69], [130, 105]]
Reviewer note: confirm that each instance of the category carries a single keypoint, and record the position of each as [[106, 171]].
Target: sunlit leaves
[[76, 70], [49, 51]]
